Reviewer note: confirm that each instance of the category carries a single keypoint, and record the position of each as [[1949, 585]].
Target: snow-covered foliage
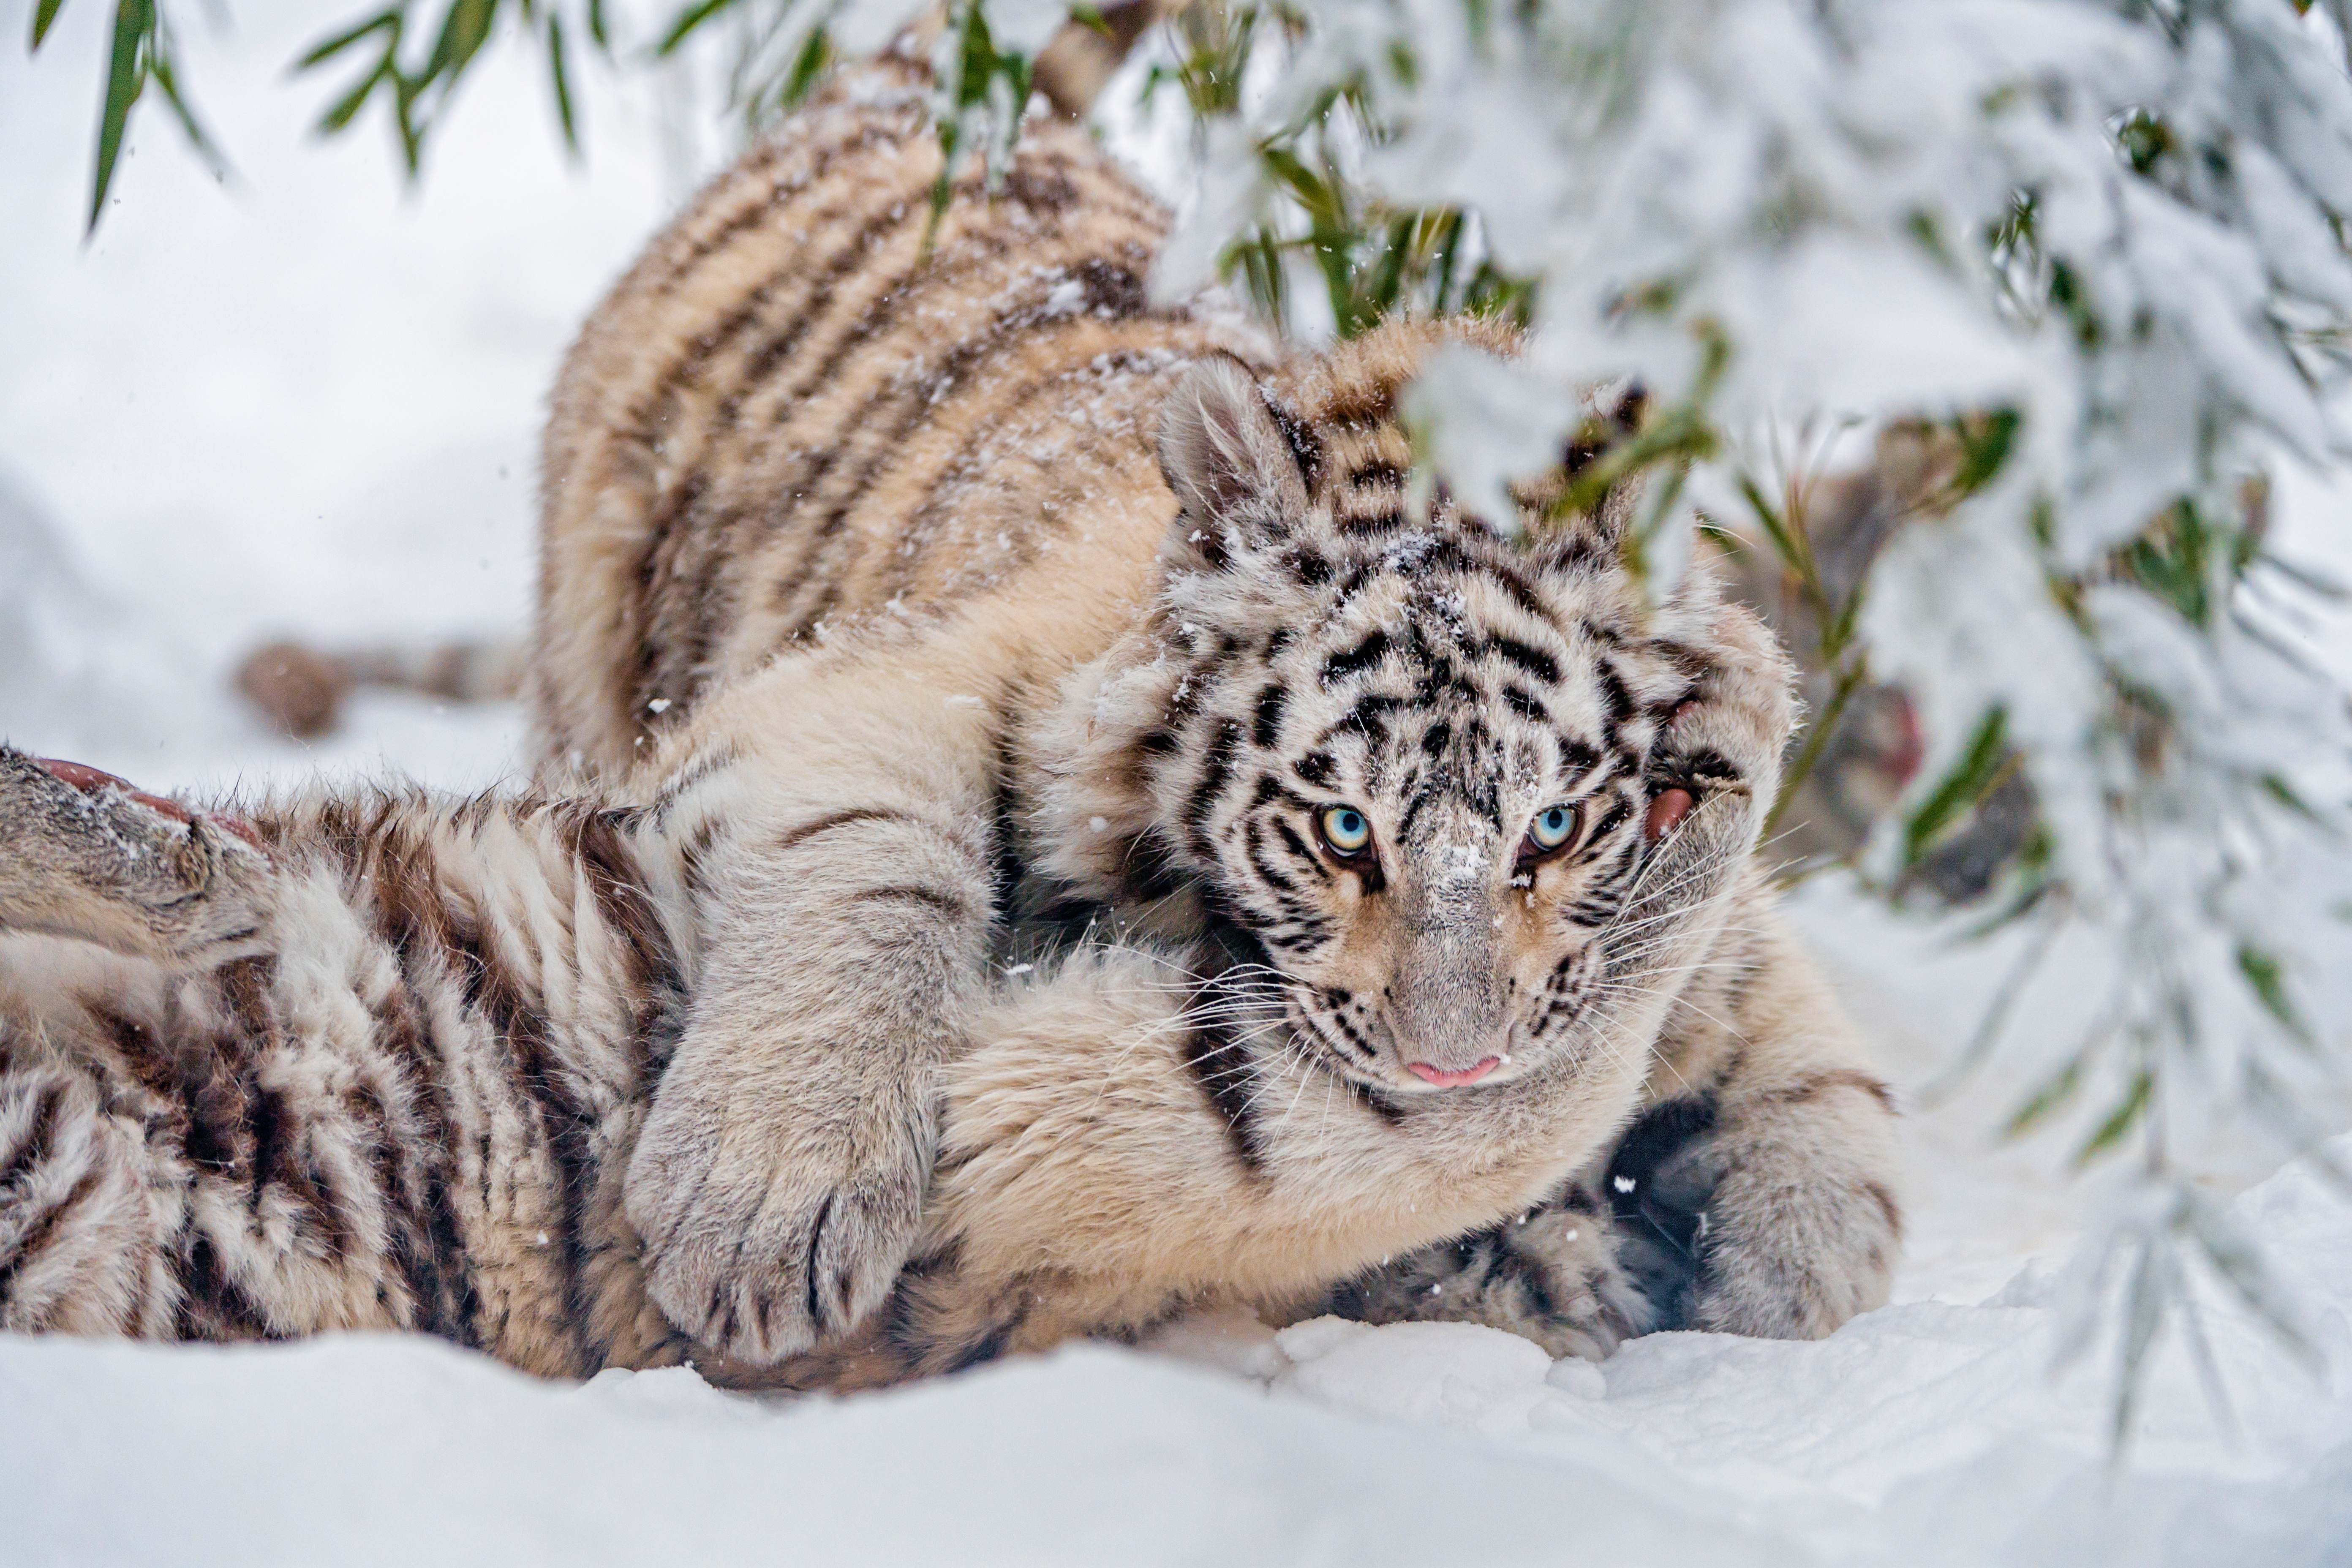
[[2102, 246]]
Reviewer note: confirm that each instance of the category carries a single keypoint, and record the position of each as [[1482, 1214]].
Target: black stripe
[[1267, 723], [1216, 770], [1297, 846], [1004, 829], [1534, 660], [946, 903], [1350, 660], [35, 1148]]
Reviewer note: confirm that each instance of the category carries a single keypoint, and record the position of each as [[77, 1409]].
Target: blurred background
[[300, 399]]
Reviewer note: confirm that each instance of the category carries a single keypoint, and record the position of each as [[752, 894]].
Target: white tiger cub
[[380, 1061], [1370, 875], [1379, 781]]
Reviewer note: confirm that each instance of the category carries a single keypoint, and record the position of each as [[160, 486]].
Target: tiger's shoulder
[[809, 403]]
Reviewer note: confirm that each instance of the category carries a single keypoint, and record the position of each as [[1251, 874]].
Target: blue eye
[[1345, 831], [1552, 827]]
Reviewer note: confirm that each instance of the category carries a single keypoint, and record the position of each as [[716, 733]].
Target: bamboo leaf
[[328, 48], [2143, 1315], [2287, 796], [463, 31], [2267, 979], [558, 80], [687, 20], [1985, 446], [1839, 634], [2056, 1092], [809, 67], [134, 22], [44, 16], [1787, 542], [167, 77], [341, 113], [2242, 1267], [1816, 738], [1961, 788], [2121, 1119]]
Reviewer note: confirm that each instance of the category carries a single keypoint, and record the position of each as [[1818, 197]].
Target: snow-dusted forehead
[[1458, 667]]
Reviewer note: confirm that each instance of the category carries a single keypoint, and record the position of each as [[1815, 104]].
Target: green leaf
[[2242, 1268], [341, 113], [463, 33], [809, 66], [597, 31], [2056, 1093], [1090, 17], [2267, 979], [1776, 529], [2121, 1119], [687, 20], [165, 75], [558, 79], [1839, 631], [1817, 739], [1722, 538], [1976, 771], [134, 23], [2143, 1315], [1985, 446], [2285, 794], [328, 48], [44, 15]]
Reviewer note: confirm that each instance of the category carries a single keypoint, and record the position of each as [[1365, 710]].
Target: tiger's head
[[1400, 774]]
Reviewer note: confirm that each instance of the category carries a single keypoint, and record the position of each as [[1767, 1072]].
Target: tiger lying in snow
[[1361, 877]]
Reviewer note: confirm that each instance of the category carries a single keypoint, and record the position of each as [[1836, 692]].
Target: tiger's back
[[804, 409]]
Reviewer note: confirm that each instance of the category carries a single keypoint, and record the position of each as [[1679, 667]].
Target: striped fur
[[386, 1091], [794, 415], [953, 656], [858, 559], [378, 1062]]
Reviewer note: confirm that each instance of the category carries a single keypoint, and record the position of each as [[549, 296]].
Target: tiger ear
[[1596, 534], [1228, 456]]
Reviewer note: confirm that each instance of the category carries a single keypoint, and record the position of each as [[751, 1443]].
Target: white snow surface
[[1924, 1433], [307, 403]]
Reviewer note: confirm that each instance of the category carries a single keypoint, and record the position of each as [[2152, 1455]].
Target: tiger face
[[1407, 765]]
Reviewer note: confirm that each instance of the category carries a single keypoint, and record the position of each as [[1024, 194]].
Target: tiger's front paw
[[1792, 1251], [1775, 1226], [1554, 1275], [762, 1239]]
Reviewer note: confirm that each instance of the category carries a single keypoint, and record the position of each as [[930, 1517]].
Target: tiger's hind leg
[[87, 855], [373, 1063], [83, 1221], [174, 1165], [93, 1188]]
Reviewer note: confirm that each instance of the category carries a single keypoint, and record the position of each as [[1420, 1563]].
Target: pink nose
[[1428, 1074]]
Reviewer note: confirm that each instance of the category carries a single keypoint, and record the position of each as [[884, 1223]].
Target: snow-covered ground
[[307, 403]]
